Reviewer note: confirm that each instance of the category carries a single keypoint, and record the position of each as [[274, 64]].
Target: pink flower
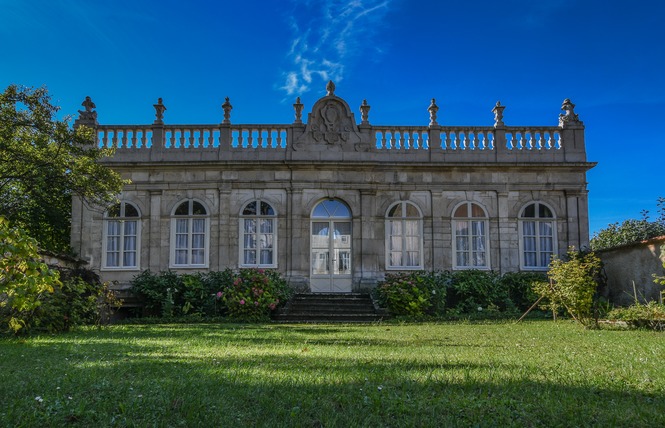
[[261, 271], [256, 303], [219, 294], [272, 306], [242, 302]]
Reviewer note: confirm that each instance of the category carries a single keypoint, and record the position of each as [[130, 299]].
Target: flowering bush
[[253, 294], [413, 293]]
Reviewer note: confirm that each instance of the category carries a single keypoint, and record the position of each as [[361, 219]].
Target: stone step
[[329, 307]]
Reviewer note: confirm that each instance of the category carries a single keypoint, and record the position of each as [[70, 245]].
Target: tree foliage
[[43, 162], [23, 278], [631, 230]]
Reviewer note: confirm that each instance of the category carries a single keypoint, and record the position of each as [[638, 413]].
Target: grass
[[537, 373]]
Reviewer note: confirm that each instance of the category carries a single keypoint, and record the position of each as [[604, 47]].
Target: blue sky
[[607, 56]]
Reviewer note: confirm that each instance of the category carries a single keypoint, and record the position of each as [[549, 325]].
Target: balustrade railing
[[277, 137]]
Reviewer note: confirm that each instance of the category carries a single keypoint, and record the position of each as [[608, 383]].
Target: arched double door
[[330, 248]]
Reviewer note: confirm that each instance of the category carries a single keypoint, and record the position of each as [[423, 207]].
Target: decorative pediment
[[330, 126]]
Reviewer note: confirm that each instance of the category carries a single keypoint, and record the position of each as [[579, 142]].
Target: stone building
[[335, 204]]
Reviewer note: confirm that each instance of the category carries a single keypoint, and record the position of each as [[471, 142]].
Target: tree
[[631, 230], [23, 278], [43, 163]]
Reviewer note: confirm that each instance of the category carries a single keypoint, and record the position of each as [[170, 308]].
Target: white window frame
[[403, 219], [241, 234], [190, 217], [537, 220], [469, 219], [122, 238]]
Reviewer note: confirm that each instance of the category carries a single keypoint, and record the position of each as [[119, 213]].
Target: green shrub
[[413, 293], [168, 294], [476, 291], [520, 286], [573, 284], [77, 301], [254, 294], [650, 315], [212, 294]]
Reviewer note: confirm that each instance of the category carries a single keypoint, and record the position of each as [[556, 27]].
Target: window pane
[[544, 212], [477, 211], [320, 235], [198, 208], [198, 225], [462, 258], [250, 209], [181, 226], [197, 257], [413, 258], [266, 257], [250, 225], [396, 243], [181, 257], [411, 211], [396, 259], [395, 211], [181, 241], [250, 257], [113, 228], [183, 209], [462, 243], [130, 210], [461, 211], [250, 241], [266, 209], [266, 225], [530, 211], [198, 241], [412, 228], [130, 228], [114, 211], [112, 259], [462, 228], [129, 259]]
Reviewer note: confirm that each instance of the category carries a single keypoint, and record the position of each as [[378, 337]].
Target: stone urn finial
[[569, 117], [227, 107], [330, 87], [498, 114], [160, 108], [298, 106], [364, 113], [433, 109]]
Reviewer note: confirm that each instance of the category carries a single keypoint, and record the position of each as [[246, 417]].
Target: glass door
[[331, 269]]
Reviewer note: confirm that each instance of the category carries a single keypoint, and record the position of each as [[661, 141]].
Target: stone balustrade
[[342, 134]]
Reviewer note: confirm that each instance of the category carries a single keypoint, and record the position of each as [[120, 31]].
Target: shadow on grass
[[225, 376]]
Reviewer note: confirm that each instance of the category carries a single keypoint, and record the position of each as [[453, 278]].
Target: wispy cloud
[[327, 36]]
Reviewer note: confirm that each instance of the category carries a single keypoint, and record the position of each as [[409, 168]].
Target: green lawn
[[537, 373]]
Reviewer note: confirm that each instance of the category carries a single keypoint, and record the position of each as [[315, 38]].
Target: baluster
[[384, 140], [449, 142], [475, 142], [269, 140], [419, 140], [279, 137], [259, 138], [250, 138]]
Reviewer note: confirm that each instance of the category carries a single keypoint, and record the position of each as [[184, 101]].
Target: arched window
[[189, 235], [258, 238], [470, 243], [121, 237], [404, 243], [537, 236]]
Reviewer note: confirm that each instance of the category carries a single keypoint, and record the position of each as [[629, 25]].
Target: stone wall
[[630, 271]]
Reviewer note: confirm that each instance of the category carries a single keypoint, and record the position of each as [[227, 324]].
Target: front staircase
[[330, 308]]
